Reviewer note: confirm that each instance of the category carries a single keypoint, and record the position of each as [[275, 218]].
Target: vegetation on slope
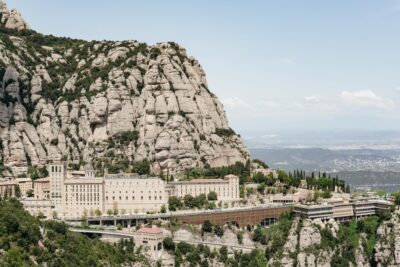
[[26, 241], [316, 181]]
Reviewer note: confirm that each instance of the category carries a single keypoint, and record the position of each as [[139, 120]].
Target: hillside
[[113, 103], [25, 241]]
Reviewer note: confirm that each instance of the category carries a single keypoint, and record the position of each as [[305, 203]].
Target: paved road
[[132, 235]]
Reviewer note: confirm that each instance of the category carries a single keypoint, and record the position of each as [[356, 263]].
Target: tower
[[89, 171], [57, 173]]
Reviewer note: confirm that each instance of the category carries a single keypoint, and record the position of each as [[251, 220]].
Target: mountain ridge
[[111, 102]]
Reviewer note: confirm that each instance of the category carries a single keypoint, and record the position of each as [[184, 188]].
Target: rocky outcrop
[[108, 101], [11, 19], [388, 245]]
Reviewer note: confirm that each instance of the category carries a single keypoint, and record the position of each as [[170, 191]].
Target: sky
[[277, 66]]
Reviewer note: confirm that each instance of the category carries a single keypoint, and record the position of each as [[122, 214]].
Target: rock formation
[[11, 19], [388, 245], [111, 102]]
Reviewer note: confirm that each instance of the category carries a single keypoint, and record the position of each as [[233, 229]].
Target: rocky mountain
[[107, 102], [366, 243]]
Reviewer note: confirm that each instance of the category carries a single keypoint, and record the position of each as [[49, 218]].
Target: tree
[[142, 167], [212, 196], [381, 193], [396, 196], [223, 254], [188, 200], [241, 188], [259, 178], [326, 194], [261, 188], [258, 259], [218, 231], [184, 247], [259, 234], [261, 163], [240, 237], [97, 212], [163, 209], [200, 200], [17, 191], [115, 208], [207, 226], [174, 203], [29, 193], [169, 244], [109, 212]]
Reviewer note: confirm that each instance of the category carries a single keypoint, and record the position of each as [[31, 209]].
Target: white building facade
[[57, 174], [75, 194], [129, 195], [83, 197], [226, 189]]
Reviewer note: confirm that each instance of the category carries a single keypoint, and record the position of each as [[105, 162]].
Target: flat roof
[[23, 180], [8, 183], [128, 176], [201, 181], [149, 231], [84, 181], [313, 206], [42, 180]]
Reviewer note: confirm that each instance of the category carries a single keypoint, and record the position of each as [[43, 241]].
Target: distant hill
[[318, 159]]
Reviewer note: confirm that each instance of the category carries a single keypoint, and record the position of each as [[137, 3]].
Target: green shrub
[[218, 231], [224, 132], [184, 247], [54, 142], [212, 196], [207, 226], [169, 244]]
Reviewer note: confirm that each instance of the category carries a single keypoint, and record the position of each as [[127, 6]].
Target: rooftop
[[5, 183], [127, 175], [200, 181], [149, 231], [84, 181], [23, 180], [42, 180]]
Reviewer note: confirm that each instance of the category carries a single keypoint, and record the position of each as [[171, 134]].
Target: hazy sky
[[276, 65]]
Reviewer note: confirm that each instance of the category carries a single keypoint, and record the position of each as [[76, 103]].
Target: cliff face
[[64, 99], [388, 245], [368, 242]]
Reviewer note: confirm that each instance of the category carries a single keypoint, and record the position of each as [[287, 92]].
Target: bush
[[163, 209], [212, 196], [261, 163], [154, 53], [240, 237], [169, 244], [224, 132], [184, 247], [54, 142], [207, 226], [218, 231], [223, 254], [174, 203]]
